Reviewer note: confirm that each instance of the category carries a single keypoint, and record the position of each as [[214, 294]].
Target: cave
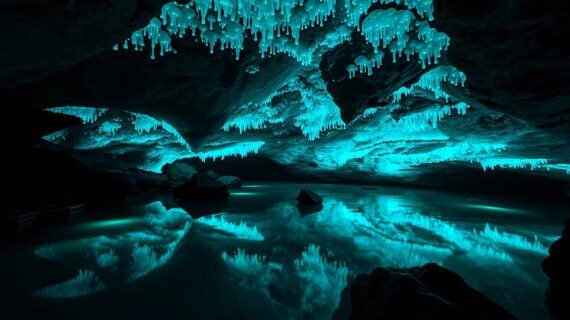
[[285, 159]]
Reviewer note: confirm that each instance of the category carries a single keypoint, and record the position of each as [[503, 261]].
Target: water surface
[[263, 258]]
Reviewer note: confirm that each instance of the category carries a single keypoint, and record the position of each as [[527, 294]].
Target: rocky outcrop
[[230, 181], [428, 292], [202, 188], [179, 172], [557, 268]]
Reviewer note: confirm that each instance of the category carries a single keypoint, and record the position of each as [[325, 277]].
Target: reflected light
[[494, 208]]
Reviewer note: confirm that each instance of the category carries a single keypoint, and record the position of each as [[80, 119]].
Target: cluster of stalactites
[[512, 163], [364, 64], [432, 115], [242, 149], [431, 81], [252, 118], [145, 124], [398, 32], [356, 8], [86, 114], [275, 24]]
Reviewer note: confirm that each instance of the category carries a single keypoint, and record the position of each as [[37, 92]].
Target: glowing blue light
[[85, 283], [240, 230]]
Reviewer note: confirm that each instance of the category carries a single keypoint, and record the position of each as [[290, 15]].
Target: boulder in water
[[428, 292], [557, 268], [308, 197]]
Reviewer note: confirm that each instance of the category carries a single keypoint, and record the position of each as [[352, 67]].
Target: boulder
[[307, 197], [557, 268], [202, 187], [212, 174], [428, 292], [230, 181], [178, 171]]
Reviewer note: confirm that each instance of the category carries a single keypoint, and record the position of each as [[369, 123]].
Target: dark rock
[[202, 187], [179, 171], [307, 197], [309, 202], [230, 181], [428, 292], [557, 268], [306, 209], [212, 174]]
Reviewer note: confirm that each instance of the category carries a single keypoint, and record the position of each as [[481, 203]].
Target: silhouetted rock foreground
[[428, 292], [557, 268]]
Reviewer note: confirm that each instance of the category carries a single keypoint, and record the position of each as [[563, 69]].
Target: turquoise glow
[[117, 131], [244, 194], [86, 114], [494, 208], [252, 270], [323, 281], [240, 230], [276, 26], [515, 163], [157, 237], [114, 223], [513, 240], [85, 283]]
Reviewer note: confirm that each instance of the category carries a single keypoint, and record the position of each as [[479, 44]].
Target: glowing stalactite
[[251, 118], [512, 163], [57, 137], [432, 80], [432, 115], [277, 25], [380, 27], [86, 114], [109, 128], [241, 149]]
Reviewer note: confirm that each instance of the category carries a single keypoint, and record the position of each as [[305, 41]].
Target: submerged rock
[[557, 268], [307, 197], [179, 172], [202, 187], [428, 292], [230, 181]]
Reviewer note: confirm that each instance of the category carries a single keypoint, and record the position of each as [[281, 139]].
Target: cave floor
[[263, 257]]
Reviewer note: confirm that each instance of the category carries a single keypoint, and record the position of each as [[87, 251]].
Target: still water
[[263, 258]]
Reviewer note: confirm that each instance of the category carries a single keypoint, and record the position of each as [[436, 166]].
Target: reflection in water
[[142, 250], [239, 230], [322, 282], [300, 264], [252, 270], [85, 283]]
